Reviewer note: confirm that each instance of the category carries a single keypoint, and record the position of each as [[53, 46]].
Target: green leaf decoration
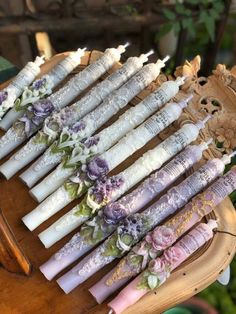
[[143, 284], [136, 260], [41, 138], [17, 105], [111, 247], [83, 209], [72, 189], [152, 281], [127, 239]]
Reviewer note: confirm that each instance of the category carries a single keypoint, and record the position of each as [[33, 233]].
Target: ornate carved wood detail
[[214, 95], [12, 257]]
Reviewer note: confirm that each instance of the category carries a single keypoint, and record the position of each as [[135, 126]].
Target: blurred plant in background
[[191, 14]]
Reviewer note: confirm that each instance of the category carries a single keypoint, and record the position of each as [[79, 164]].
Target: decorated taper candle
[[164, 236], [130, 143], [107, 190], [41, 87], [160, 269], [91, 122], [103, 141], [95, 230], [15, 88], [68, 138], [133, 228], [35, 114]]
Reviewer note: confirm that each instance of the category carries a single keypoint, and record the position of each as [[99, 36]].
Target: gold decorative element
[[199, 206], [119, 273]]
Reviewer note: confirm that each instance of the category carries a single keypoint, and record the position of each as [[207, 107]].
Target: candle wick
[[149, 53], [166, 59]]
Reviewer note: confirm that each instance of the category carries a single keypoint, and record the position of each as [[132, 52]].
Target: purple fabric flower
[[41, 110], [78, 126], [36, 114], [39, 83], [133, 226], [91, 141], [113, 213], [3, 96], [97, 168], [103, 189]]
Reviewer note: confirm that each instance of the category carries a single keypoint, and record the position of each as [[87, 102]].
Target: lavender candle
[[102, 225], [134, 227], [160, 269], [41, 87], [164, 236]]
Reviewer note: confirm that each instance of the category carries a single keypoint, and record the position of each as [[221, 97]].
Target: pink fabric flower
[[158, 267], [161, 238], [173, 255]]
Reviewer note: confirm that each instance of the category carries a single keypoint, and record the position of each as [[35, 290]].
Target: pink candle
[[164, 236], [159, 269]]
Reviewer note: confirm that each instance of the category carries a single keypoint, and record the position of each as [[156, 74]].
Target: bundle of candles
[[66, 136]]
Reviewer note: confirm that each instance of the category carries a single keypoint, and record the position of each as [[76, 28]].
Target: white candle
[[90, 101], [42, 87], [24, 78], [90, 123], [30, 122], [102, 141]]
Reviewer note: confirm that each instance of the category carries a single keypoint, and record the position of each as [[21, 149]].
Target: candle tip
[[122, 48], [228, 157], [166, 59], [201, 124], [127, 44], [184, 102], [180, 80], [212, 223], [161, 63], [39, 60], [144, 56], [204, 145], [149, 53]]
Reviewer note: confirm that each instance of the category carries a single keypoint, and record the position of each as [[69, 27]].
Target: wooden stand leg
[[11, 256]]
